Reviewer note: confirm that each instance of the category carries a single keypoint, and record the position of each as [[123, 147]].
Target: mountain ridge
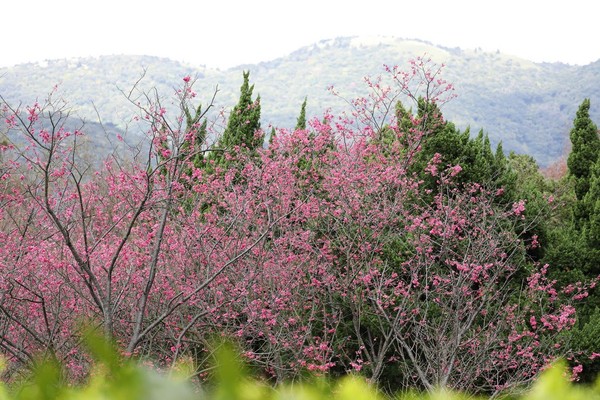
[[528, 106]]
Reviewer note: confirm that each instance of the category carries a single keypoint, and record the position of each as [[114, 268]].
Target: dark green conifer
[[585, 150], [193, 146], [272, 135], [243, 127], [591, 204], [475, 155], [301, 121], [573, 248]]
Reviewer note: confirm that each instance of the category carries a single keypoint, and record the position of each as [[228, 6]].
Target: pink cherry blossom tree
[[323, 252], [104, 245]]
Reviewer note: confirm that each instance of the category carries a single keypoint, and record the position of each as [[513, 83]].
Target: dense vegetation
[[116, 378], [383, 242]]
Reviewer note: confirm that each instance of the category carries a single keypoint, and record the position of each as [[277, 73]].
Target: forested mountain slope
[[528, 106]]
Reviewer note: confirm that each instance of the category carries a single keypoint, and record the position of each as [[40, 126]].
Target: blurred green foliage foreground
[[113, 377]]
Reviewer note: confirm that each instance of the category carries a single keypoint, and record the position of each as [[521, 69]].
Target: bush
[[116, 378]]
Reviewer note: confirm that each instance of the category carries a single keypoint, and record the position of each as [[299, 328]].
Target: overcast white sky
[[225, 33]]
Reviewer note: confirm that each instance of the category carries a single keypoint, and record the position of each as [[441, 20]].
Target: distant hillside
[[528, 106]]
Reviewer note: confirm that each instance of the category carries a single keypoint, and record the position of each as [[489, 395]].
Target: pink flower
[[432, 165], [186, 79], [455, 170], [534, 242], [519, 207], [357, 366], [533, 322], [576, 371], [166, 153]]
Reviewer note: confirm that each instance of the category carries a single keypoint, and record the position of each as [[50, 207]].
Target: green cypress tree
[[573, 248], [584, 153], [272, 135], [199, 129], [591, 203], [243, 126], [3, 144], [591, 226], [301, 121], [589, 259], [478, 160]]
